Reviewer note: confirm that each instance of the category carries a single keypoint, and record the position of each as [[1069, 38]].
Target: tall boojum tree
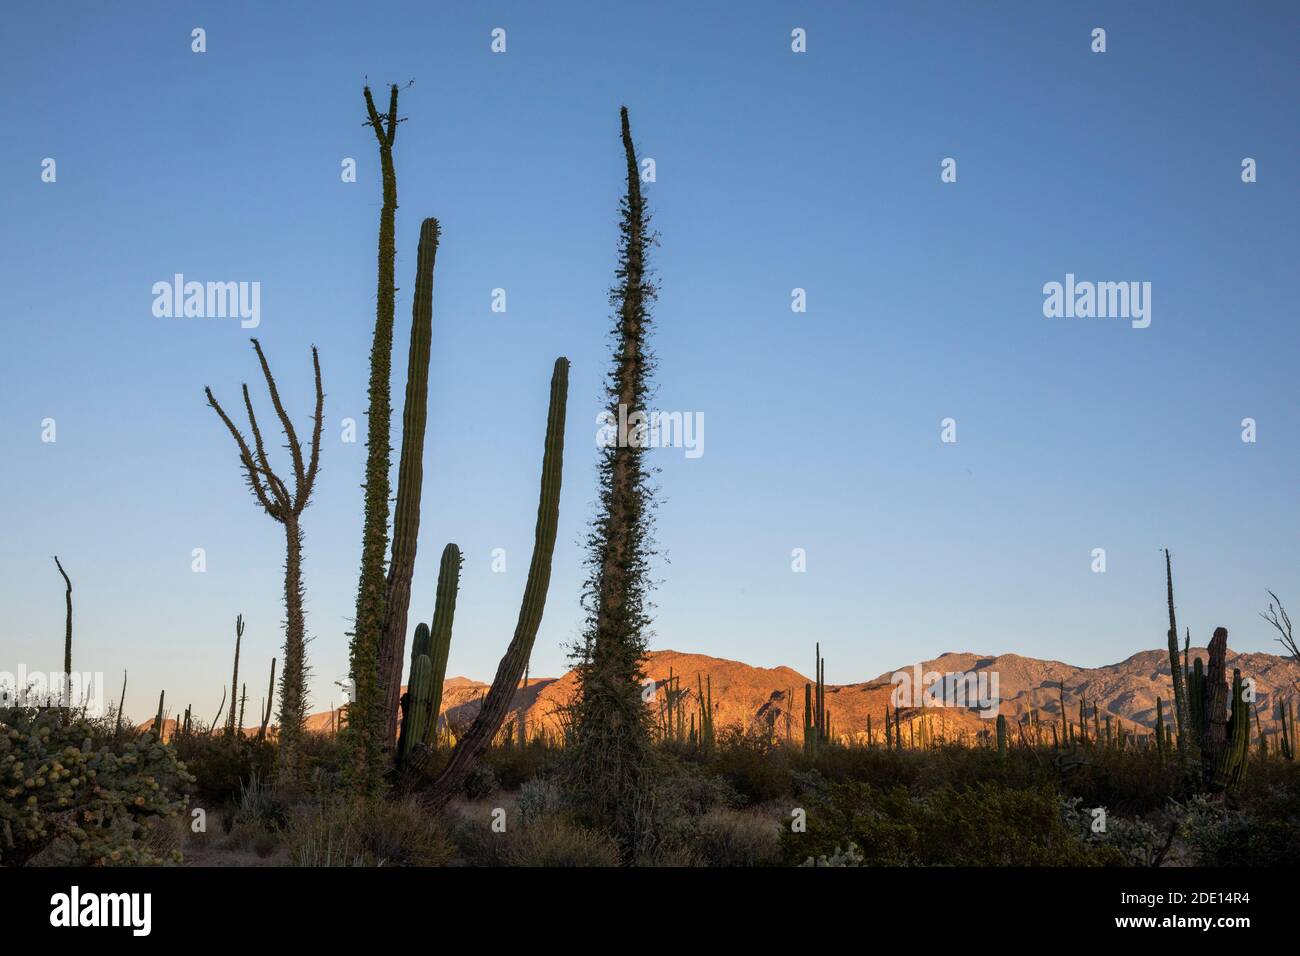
[[365, 718], [611, 730]]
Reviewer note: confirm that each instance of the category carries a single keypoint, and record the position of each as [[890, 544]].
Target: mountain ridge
[[770, 699]]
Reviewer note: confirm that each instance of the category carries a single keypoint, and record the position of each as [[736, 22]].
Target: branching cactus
[[410, 480], [1218, 720], [470, 747]]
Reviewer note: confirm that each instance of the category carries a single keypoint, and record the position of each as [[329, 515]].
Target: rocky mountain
[[772, 699]]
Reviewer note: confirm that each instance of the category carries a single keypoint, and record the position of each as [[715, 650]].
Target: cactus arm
[[270, 699], [117, 726], [213, 726], [1181, 715], [444, 614], [67, 635], [158, 721], [234, 677], [410, 479]]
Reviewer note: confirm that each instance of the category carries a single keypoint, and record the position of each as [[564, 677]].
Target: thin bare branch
[[277, 489], [1281, 621], [295, 447], [304, 491], [245, 456]]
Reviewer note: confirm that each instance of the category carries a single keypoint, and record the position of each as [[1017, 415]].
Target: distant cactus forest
[[634, 757]]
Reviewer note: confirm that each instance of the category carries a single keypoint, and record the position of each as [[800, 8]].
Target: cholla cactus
[[79, 802]]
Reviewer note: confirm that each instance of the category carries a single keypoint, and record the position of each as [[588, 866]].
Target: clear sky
[[775, 170]]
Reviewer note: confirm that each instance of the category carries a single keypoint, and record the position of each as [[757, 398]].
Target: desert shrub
[[1143, 841], [532, 838], [515, 765], [676, 794], [481, 782], [339, 832], [1127, 782], [984, 825], [811, 785], [557, 841], [220, 764], [474, 838], [250, 835], [539, 798], [736, 838], [260, 804], [69, 796], [848, 856], [755, 767], [671, 855], [1220, 835], [255, 821]]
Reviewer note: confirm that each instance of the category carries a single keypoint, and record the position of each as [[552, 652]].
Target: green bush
[[983, 825], [515, 765], [1267, 834], [677, 794], [70, 797], [481, 782], [539, 798], [221, 764], [755, 767]]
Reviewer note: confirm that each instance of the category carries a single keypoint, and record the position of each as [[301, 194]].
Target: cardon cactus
[[444, 615], [419, 695], [422, 702], [1228, 767], [410, 480], [476, 740], [705, 694], [1286, 718], [1220, 730]]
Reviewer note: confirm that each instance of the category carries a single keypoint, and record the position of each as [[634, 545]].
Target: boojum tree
[[611, 741], [286, 507]]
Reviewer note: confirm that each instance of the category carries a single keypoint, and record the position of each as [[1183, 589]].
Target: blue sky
[[775, 170]]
